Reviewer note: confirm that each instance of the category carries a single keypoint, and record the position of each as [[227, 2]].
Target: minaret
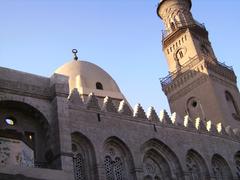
[[197, 84]]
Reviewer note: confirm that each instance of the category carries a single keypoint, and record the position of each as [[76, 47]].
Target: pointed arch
[[221, 169], [28, 125], [84, 159], [232, 105], [237, 163], [196, 166], [182, 17], [195, 109], [118, 160], [159, 161], [172, 25]]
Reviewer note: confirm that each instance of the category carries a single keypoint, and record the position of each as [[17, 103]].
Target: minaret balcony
[[192, 68], [175, 27]]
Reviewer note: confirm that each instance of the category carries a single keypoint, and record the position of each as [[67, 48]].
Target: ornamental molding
[[221, 70], [223, 82], [25, 89], [188, 88]]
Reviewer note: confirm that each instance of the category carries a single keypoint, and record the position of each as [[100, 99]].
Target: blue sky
[[123, 37]]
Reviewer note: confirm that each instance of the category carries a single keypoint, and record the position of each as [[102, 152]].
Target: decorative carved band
[[223, 82], [24, 89], [193, 67], [222, 70], [188, 88]]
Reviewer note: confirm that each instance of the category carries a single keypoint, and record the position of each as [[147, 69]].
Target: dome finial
[[75, 51]]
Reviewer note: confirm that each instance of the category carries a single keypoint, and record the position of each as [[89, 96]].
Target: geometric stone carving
[[202, 126], [173, 117], [188, 122], [197, 122], [75, 98], [139, 112], [152, 115], [79, 166], [236, 132], [164, 117], [186, 119], [177, 120], [108, 105], [229, 131], [221, 129], [92, 102], [213, 129], [124, 109], [209, 124], [199, 125], [223, 132]]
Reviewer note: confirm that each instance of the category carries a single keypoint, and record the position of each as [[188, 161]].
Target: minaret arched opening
[[231, 104], [173, 27]]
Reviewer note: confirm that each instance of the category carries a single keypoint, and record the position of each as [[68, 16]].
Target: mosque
[[78, 125]]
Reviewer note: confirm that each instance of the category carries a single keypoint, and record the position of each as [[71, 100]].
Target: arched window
[[182, 18], [195, 108], [10, 121], [160, 162], [231, 104], [148, 178], [99, 86], [237, 163], [155, 166], [196, 166], [117, 161], [79, 167], [221, 169], [114, 168], [181, 54], [84, 159], [173, 27]]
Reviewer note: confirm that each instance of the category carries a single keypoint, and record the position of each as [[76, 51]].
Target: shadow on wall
[[20, 122]]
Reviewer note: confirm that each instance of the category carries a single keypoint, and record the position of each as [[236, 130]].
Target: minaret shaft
[[197, 84]]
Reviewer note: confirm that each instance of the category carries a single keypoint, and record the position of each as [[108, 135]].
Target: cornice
[[24, 89]]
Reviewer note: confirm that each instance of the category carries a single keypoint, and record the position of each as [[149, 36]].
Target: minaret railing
[[213, 64], [181, 25]]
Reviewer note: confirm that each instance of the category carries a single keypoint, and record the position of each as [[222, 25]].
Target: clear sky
[[123, 37]]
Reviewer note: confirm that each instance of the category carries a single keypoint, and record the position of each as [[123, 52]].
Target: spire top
[[75, 51]]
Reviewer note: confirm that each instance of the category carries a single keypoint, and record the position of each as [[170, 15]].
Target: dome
[[88, 77], [190, 1]]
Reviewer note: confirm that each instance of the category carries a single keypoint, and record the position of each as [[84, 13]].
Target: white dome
[[84, 76]]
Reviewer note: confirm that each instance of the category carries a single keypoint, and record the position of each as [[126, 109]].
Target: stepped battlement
[[162, 119]]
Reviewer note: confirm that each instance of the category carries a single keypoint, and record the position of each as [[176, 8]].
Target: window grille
[[114, 169], [79, 167]]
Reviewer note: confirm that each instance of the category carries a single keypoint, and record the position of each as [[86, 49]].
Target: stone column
[[60, 124], [101, 172], [139, 173]]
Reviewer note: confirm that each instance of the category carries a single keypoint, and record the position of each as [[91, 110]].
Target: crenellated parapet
[[161, 120], [152, 115], [139, 112], [108, 105], [124, 109]]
